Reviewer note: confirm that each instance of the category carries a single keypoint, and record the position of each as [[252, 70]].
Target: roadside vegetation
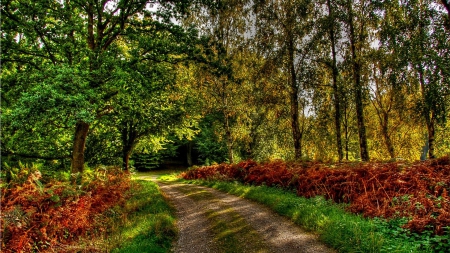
[[45, 212], [308, 197]]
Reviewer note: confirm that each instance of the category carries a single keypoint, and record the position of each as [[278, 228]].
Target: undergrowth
[[106, 212], [397, 207], [338, 228], [393, 190], [39, 216]]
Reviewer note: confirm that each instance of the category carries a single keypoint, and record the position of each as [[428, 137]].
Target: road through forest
[[212, 221]]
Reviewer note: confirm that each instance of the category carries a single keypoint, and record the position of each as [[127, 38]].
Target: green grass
[[150, 222], [336, 227]]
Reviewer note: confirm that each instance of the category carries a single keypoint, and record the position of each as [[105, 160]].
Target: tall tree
[[223, 24], [357, 34], [282, 31], [429, 58], [332, 31]]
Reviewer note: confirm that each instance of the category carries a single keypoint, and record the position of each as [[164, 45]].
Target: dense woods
[[92, 82]]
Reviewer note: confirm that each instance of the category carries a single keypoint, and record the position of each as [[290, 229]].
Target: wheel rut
[[212, 221]]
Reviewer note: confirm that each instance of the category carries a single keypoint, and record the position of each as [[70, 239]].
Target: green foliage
[[211, 147], [425, 241]]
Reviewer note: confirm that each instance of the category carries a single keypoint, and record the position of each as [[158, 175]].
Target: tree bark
[[126, 160], [189, 153], [428, 114], [337, 109], [386, 136], [79, 144], [294, 102], [431, 134], [129, 137], [364, 152], [229, 140]]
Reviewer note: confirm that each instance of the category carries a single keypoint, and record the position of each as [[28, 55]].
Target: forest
[[107, 82], [96, 82]]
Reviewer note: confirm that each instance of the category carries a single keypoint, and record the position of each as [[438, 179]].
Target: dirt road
[[212, 221]]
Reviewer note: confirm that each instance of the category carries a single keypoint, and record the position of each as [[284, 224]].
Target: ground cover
[[413, 198], [40, 214], [107, 212], [150, 222]]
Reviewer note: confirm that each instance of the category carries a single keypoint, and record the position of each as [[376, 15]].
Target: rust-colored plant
[[418, 191], [39, 217]]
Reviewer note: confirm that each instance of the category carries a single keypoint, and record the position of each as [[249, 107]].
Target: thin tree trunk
[[346, 131], [364, 152], [386, 136], [79, 144], [294, 103], [428, 115], [229, 140], [337, 110], [431, 134], [189, 154]]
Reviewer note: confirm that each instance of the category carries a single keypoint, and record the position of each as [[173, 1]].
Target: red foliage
[[36, 217], [418, 191]]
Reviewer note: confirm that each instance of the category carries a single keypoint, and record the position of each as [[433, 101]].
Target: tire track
[[212, 221]]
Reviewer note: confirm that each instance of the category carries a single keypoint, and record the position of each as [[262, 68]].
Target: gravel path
[[212, 221]]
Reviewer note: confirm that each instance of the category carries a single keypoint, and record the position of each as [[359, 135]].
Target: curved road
[[212, 221]]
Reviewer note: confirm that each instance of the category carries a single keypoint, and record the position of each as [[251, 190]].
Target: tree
[[223, 26], [70, 51], [282, 30], [357, 34], [429, 48]]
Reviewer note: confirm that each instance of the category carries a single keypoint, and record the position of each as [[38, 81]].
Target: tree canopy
[[89, 81]]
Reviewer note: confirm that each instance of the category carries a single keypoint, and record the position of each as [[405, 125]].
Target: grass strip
[[336, 227], [149, 225]]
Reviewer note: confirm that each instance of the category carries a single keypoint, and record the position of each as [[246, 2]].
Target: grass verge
[[336, 227], [149, 225]]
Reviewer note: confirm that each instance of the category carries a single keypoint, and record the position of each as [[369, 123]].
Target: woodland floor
[[212, 221]]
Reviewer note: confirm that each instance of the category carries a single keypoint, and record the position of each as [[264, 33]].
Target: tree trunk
[[294, 102], [431, 134], [428, 115], [126, 160], [79, 144], [427, 111], [229, 140], [189, 153], [129, 137], [364, 152], [337, 109], [386, 136]]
